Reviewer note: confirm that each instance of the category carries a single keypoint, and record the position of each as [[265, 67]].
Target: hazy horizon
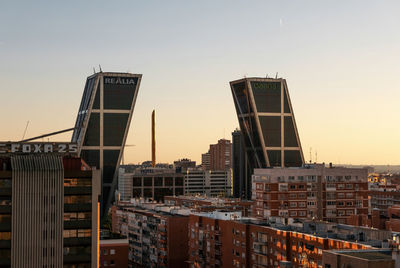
[[341, 63]]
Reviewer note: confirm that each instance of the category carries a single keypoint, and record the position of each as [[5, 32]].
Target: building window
[[349, 186], [112, 251]]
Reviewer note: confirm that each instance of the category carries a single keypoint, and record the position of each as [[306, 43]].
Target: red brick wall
[[120, 258]]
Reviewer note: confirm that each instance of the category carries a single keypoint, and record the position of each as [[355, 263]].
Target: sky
[[340, 59]]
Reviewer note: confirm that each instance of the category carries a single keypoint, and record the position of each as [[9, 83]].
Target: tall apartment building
[[224, 239], [219, 156], [208, 182], [103, 123], [48, 207], [313, 191], [157, 234]]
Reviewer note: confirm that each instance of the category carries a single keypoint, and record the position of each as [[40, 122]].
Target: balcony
[[260, 242]]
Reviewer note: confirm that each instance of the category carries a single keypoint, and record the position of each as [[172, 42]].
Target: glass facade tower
[[267, 123], [102, 125]]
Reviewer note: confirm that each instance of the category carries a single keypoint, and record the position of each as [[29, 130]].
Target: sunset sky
[[341, 60]]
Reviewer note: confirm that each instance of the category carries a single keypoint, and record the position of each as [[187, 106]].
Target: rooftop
[[370, 255]]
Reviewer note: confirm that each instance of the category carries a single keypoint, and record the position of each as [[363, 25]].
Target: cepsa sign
[[38, 147]]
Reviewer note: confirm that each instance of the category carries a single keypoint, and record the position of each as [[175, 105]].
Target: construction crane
[[26, 127]]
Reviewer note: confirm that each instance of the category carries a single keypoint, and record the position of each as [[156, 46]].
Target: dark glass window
[[267, 96], [178, 191], [158, 181], [292, 158], [148, 181], [271, 128], [290, 135], [137, 181], [148, 192], [77, 199], [260, 156], [168, 181], [87, 93], [114, 128], [274, 158], [119, 92], [179, 181], [137, 192], [92, 136], [91, 157], [286, 108], [96, 102], [106, 192], [242, 102], [110, 163], [159, 193]]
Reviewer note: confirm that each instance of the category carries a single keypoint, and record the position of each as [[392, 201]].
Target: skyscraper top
[[267, 122]]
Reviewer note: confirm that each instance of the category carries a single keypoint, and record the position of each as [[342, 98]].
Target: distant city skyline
[[340, 62]]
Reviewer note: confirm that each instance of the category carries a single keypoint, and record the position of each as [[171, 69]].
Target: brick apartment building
[[313, 191], [384, 196], [223, 239], [114, 253], [157, 234], [219, 156]]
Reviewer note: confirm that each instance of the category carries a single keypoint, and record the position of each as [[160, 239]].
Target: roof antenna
[[276, 76], [94, 70], [100, 69]]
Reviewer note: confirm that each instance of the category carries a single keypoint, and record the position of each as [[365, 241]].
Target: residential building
[[208, 182], [114, 253], [267, 122], [313, 191], [219, 156], [102, 125], [48, 207], [383, 196], [225, 239], [157, 234]]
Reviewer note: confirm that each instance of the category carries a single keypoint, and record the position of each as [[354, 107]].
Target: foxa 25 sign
[[35, 147]]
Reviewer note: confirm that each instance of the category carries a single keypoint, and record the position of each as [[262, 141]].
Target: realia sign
[[120, 80]]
